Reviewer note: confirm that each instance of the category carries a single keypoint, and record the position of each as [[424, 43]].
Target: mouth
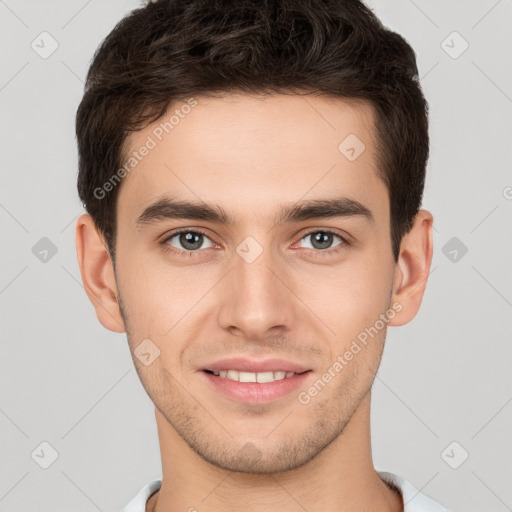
[[259, 377], [255, 388]]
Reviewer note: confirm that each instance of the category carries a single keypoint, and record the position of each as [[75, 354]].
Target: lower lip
[[256, 392]]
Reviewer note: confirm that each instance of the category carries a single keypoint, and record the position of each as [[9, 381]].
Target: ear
[[97, 273], [412, 268]]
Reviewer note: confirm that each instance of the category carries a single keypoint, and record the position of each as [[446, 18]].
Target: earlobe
[[412, 268], [97, 273]]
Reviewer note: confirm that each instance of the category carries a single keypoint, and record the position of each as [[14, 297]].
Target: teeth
[[246, 377], [261, 377], [232, 375]]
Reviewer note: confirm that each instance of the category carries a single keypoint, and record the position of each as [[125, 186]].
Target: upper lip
[[247, 365]]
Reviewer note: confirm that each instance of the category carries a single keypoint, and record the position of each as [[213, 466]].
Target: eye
[[187, 240], [322, 240]]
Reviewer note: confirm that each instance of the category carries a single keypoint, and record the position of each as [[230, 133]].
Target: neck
[[341, 478]]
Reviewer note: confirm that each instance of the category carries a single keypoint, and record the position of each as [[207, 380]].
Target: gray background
[[67, 381]]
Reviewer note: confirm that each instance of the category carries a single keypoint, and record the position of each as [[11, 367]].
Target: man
[[253, 174]]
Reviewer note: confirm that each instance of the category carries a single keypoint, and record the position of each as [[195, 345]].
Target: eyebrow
[[170, 208]]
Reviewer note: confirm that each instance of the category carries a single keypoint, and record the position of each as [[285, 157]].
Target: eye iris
[[191, 240], [323, 239]]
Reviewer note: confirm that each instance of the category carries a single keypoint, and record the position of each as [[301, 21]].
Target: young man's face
[[261, 287]]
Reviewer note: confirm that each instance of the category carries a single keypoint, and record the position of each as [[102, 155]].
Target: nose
[[257, 298]]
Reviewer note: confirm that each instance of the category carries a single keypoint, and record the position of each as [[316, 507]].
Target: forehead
[[252, 153]]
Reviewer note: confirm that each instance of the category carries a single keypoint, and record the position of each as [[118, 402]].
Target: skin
[[252, 155]]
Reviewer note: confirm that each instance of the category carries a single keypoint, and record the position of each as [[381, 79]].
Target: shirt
[[414, 501]]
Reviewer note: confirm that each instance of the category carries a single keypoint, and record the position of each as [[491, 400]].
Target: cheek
[[160, 301], [348, 296], [350, 301], [146, 292]]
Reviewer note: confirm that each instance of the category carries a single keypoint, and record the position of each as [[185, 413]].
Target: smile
[[261, 377]]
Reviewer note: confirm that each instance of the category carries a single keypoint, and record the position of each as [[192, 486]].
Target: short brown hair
[[170, 50]]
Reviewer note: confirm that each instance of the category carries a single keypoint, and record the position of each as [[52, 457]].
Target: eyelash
[[193, 254]]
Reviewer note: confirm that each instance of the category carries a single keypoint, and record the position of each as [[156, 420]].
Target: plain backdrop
[[70, 397]]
